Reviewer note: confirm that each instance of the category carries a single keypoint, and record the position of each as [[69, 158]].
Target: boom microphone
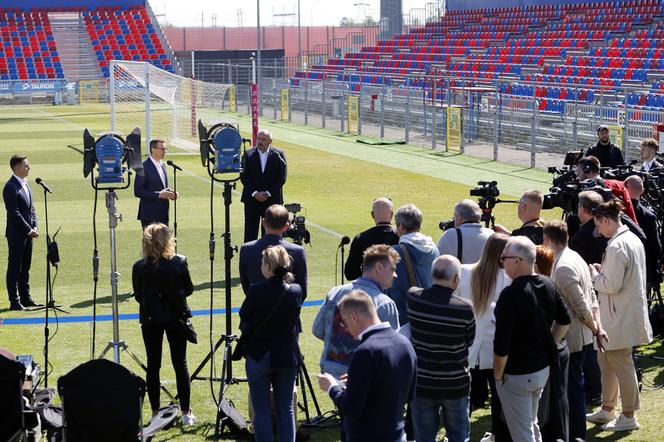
[[43, 184], [175, 166], [344, 240]]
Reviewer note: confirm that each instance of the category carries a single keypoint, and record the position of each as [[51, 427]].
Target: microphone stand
[[343, 250], [175, 205]]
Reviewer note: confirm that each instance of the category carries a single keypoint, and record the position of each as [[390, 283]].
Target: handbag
[[243, 341], [184, 322]]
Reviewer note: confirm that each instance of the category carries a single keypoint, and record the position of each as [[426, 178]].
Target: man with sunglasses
[[530, 319], [152, 187]]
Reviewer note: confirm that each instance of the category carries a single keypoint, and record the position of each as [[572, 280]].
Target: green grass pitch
[[333, 177]]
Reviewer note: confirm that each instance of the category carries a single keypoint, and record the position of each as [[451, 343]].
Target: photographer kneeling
[[528, 211], [466, 240]]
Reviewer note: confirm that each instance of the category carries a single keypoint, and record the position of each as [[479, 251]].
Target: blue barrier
[[30, 86]]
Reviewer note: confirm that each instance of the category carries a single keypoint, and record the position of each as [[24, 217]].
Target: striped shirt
[[442, 329]]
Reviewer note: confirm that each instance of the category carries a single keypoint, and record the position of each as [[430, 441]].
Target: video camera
[[297, 230], [488, 193]]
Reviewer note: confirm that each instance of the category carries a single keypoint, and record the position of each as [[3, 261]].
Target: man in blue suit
[[152, 187], [21, 229], [264, 171], [275, 222], [381, 375]]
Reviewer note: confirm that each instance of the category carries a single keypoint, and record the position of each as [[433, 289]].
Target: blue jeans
[[455, 414], [260, 376], [576, 394]]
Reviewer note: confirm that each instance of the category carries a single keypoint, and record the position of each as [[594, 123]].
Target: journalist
[[152, 187], [269, 317], [382, 233], [572, 279], [416, 255], [466, 240], [530, 319], [649, 150], [161, 283], [481, 283], [529, 211], [620, 281], [608, 153]]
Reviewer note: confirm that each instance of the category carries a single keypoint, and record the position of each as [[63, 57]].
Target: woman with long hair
[[161, 284], [482, 283], [268, 319]]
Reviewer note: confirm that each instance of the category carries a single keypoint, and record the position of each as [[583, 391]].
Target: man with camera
[[20, 231], [152, 187], [264, 172], [608, 154], [649, 149], [528, 210], [466, 240], [275, 223], [381, 233]]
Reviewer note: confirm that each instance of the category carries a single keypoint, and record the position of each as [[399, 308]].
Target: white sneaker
[[188, 419], [601, 417], [488, 437], [622, 423]]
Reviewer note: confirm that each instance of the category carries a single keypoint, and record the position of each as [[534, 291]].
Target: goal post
[[163, 105]]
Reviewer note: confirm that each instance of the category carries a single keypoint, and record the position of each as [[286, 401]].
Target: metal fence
[[454, 114]]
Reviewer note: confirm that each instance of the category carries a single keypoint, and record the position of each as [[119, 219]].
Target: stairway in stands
[[78, 60]]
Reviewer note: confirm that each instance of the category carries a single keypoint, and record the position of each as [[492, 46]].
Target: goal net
[[161, 104]]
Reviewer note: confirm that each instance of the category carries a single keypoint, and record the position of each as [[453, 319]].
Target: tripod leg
[[303, 389], [194, 376], [218, 426], [311, 388]]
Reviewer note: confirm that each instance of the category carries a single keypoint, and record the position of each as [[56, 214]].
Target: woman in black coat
[[272, 355], [162, 283]]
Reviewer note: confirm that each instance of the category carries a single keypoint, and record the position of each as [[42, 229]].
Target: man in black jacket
[[609, 154], [382, 233], [649, 149], [381, 375], [264, 172]]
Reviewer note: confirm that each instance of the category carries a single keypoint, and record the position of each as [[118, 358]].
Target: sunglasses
[[504, 258]]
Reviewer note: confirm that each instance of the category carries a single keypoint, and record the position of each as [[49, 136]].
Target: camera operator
[[382, 233], [275, 223], [649, 149], [587, 242], [528, 211], [648, 223], [466, 240], [588, 168], [608, 153]]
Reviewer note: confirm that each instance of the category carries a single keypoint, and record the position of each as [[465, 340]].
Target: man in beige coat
[[572, 278], [620, 282]]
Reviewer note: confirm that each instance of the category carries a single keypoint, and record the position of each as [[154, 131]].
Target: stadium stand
[[29, 49], [555, 53]]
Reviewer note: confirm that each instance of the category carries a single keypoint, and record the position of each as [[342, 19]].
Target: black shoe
[[16, 306], [28, 302]]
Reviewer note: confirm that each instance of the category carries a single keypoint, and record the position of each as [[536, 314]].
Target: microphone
[[344, 240], [43, 184], [175, 166]]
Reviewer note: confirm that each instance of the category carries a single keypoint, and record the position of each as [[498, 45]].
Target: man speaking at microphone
[[152, 188], [264, 172], [21, 230]]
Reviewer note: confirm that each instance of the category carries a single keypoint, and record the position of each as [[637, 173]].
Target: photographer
[[608, 153], [381, 233], [275, 223], [648, 223], [649, 149], [528, 211], [466, 240], [587, 242], [588, 168]]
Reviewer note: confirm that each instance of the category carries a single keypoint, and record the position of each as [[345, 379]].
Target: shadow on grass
[[103, 300], [596, 433], [217, 284]]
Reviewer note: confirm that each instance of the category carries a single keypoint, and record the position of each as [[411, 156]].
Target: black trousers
[[253, 213], [18, 268], [481, 382], [153, 336]]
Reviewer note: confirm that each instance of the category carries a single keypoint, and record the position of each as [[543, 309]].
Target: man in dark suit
[[152, 187], [381, 375], [382, 233], [275, 222], [264, 171], [21, 229]]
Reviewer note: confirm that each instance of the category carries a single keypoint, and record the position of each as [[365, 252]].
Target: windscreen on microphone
[[38, 180], [345, 240]]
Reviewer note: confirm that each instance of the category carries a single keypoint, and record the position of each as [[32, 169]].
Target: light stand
[[175, 201]]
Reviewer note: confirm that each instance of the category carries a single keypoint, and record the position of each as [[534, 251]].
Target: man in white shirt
[[466, 240], [152, 187], [649, 149]]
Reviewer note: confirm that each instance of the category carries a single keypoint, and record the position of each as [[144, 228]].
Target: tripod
[[51, 259]]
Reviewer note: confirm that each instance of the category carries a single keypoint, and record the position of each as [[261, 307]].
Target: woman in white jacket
[[482, 283], [620, 282]]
